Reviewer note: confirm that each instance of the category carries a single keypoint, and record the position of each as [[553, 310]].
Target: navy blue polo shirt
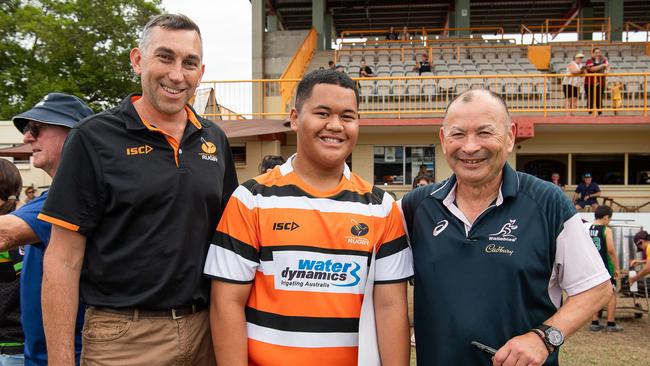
[[499, 276], [147, 204]]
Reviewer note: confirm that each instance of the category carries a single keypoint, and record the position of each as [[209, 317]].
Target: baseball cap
[[579, 54], [54, 109], [587, 175], [638, 237]]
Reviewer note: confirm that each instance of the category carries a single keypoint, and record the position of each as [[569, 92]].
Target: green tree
[[79, 47]]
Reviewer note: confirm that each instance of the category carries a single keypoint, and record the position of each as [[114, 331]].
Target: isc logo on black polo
[[289, 226], [139, 150]]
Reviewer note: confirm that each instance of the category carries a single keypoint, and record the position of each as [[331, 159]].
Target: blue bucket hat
[[54, 109]]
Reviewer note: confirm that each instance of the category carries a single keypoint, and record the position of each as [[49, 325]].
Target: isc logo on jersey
[[319, 272]]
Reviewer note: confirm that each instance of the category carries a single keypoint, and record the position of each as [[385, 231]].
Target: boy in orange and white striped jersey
[[291, 255]]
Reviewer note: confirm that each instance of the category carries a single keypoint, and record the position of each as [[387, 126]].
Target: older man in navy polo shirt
[[494, 248]]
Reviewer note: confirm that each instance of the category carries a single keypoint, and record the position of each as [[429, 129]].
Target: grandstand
[[519, 49]]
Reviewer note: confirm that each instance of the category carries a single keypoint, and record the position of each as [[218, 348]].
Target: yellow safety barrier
[[297, 66], [428, 96]]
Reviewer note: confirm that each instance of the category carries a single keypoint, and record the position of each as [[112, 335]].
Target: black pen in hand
[[487, 349]]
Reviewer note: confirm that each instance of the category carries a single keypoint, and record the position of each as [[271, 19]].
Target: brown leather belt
[[176, 313]]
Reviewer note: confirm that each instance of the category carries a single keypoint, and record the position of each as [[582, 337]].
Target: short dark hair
[[468, 96], [602, 211], [421, 177], [10, 185], [270, 161], [306, 85], [169, 22]]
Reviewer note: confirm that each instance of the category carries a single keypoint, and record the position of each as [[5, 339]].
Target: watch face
[[554, 337]]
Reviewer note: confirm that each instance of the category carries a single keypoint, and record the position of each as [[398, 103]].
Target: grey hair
[[469, 95], [169, 22]]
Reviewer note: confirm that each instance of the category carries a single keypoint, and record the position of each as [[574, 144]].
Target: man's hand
[[526, 349]]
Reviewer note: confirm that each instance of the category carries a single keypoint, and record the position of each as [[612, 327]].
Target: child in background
[[615, 93]]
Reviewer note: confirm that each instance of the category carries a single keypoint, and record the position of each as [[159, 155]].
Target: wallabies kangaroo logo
[[505, 234]]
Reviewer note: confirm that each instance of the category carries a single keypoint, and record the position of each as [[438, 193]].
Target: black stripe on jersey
[[292, 190], [392, 247], [266, 253], [302, 323], [388, 282], [236, 246], [222, 279]]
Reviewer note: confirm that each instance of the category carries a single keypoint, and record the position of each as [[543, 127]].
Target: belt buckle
[[174, 316]]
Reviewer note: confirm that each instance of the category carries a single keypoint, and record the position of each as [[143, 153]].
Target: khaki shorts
[[130, 340]]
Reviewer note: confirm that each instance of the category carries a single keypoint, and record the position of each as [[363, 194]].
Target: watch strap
[[540, 333]]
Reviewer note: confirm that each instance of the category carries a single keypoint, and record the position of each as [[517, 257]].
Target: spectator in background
[[364, 70], [421, 181], [603, 239], [642, 242], [595, 85], [571, 84], [555, 179], [10, 184], [339, 68], [586, 193], [423, 65], [391, 35], [11, 332], [331, 65], [45, 127], [405, 35], [30, 193], [615, 93], [269, 162]]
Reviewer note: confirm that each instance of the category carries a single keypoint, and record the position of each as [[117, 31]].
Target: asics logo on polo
[[440, 227], [139, 150]]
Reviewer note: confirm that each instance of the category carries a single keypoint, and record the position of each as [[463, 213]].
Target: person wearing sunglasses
[[30, 193], [642, 242], [45, 128]]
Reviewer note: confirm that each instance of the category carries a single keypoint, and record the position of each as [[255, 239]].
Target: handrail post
[[645, 94], [544, 96]]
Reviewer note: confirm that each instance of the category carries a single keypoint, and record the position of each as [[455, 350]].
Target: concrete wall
[[279, 48]]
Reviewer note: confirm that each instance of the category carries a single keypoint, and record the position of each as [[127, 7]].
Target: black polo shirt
[[147, 205], [499, 276]]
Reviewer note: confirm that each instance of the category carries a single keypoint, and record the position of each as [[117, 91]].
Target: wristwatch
[[552, 337]]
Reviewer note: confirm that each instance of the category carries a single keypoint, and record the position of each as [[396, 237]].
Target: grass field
[[628, 348]]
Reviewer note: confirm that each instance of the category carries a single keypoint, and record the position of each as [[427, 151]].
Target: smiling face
[[170, 67], [47, 147], [476, 139], [327, 126]]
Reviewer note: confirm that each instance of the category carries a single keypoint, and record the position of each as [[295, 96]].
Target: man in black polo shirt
[[493, 249], [133, 207]]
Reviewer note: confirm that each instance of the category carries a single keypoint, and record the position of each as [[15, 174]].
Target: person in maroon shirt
[[595, 85]]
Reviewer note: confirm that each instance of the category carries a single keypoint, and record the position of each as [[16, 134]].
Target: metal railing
[[428, 96]]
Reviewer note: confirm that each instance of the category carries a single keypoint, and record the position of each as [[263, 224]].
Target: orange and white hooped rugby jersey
[[307, 254]]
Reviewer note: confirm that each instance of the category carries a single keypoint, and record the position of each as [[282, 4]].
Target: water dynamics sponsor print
[[319, 272]]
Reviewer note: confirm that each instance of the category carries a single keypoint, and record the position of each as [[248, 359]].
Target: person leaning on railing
[[595, 85], [571, 84]]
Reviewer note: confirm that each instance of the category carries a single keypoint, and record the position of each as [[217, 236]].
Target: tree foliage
[[79, 47]]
